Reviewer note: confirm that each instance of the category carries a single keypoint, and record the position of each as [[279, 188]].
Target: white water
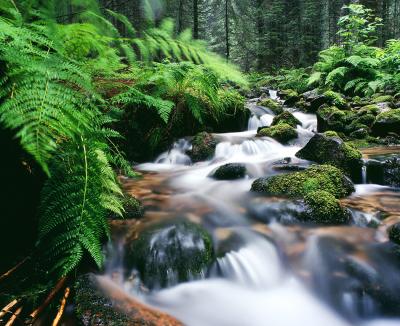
[[249, 285]]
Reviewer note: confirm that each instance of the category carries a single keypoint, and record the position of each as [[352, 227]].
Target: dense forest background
[[256, 34]]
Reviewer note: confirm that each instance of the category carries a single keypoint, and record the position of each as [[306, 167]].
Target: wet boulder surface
[[170, 252], [203, 147], [231, 171]]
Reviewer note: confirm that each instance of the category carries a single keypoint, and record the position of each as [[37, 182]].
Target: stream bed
[[268, 270]]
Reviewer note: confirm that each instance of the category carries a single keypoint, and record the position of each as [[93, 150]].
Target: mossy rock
[[92, 307], [383, 99], [286, 117], [203, 147], [386, 123], [369, 109], [359, 133], [331, 118], [331, 133], [336, 99], [394, 233], [334, 151], [274, 106], [282, 132], [321, 207], [298, 184], [290, 96], [231, 171], [170, 252]]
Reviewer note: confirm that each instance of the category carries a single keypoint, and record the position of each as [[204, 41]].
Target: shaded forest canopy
[[257, 34]]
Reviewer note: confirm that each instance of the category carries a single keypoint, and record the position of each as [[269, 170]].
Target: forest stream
[[269, 269]]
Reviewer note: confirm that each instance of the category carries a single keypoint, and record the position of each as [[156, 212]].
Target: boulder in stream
[[269, 103], [286, 117], [231, 171], [298, 184], [203, 147], [334, 151], [281, 132], [170, 252], [394, 233], [386, 123]]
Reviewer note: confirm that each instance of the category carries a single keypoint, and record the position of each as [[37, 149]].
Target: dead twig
[[14, 317], [12, 270], [62, 307], [8, 308]]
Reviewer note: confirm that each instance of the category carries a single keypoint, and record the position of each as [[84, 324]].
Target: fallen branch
[[8, 307], [62, 307], [14, 317], [12, 270], [57, 288]]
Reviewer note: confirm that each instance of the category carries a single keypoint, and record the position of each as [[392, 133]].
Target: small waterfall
[[364, 174], [273, 94], [256, 122], [176, 155]]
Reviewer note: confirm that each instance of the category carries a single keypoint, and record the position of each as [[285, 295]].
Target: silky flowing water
[[272, 272]]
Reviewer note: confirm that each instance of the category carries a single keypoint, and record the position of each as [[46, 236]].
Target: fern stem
[[86, 177]]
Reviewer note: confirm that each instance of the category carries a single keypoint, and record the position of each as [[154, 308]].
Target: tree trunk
[[195, 19], [227, 29]]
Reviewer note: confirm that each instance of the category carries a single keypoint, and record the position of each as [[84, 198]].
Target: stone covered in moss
[[230, 171], [322, 207], [360, 133], [369, 109], [394, 233], [331, 133], [282, 132], [331, 118], [383, 99], [203, 147], [290, 96], [170, 252], [286, 117], [298, 184], [336, 99], [334, 151], [387, 122], [274, 106], [132, 207]]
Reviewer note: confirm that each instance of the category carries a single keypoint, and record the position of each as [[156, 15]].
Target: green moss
[[323, 208], [203, 147], [286, 117], [274, 106], [331, 133], [299, 184], [281, 132], [383, 98], [386, 123], [331, 118], [336, 99], [369, 109], [362, 143], [392, 115]]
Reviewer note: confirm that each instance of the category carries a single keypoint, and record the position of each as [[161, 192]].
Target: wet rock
[[331, 118], [133, 208], [359, 133], [384, 172], [97, 306], [321, 207], [169, 253], [282, 132], [286, 117], [287, 164], [203, 147], [336, 99], [290, 96], [230, 171], [383, 99], [332, 150], [274, 106], [298, 184], [394, 233], [314, 100], [386, 123], [285, 212]]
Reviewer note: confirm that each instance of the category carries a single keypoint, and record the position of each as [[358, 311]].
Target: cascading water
[[272, 275]]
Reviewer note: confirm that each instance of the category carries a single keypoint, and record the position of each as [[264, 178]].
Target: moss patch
[[299, 184], [286, 117], [203, 147], [336, 99], [274, 106], [282, 132], [383, 98]]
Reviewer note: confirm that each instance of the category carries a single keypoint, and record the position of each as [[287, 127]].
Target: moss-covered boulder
[[298, 184], [334, 151], [360, 133], [369, 109], [203, 147], [282, 132], [383, 99], [290, 96], [387, 122], [321, 207], [231, 171], [167, 253], [274, 106], [336, 99], [331, 118], [394, 233], [286, 117]]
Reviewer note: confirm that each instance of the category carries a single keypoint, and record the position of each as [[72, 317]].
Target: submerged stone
[[230, 171], [298, 184], [334, 151], [169, 253]]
